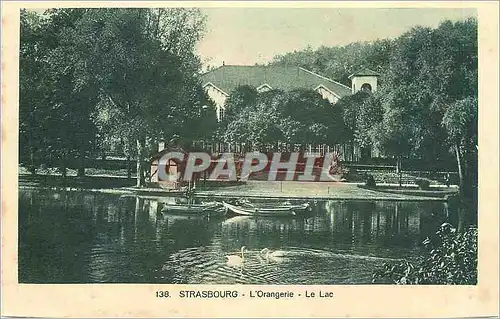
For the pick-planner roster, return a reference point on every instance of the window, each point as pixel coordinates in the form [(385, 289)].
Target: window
[(220, 113), (366, 87)]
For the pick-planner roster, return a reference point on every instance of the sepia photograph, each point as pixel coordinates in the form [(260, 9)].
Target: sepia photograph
[(227, 146)]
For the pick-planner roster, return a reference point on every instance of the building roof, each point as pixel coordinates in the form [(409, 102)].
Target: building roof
[(229, 77), (364, 72)]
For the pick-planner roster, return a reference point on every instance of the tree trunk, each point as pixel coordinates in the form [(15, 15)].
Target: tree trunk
[(399, 170), (129, 168), (140, 166), (460, 172), (32, 162), (81, 166), (63, 166)]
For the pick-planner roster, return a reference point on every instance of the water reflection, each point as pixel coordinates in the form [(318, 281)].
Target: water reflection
[(69, 237)]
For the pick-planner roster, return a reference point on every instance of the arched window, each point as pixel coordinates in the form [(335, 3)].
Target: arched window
[(366, 87)]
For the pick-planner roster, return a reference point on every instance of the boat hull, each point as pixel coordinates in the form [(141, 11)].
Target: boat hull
[(257, 211), (188, 209)]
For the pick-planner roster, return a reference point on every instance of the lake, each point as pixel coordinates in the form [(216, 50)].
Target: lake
[(83, 237)]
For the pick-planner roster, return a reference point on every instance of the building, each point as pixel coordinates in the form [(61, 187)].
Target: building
[(220, 82), (364, 80)]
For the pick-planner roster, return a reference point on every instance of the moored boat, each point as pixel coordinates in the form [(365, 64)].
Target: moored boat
[(190, 208), (260, 211), (297, 208)]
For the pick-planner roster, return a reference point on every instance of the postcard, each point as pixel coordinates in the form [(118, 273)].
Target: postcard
[(250, 159)]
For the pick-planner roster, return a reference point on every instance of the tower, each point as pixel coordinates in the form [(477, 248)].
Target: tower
[(364, 80)]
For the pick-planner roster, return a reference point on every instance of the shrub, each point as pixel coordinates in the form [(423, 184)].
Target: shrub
[(451, 259), (370, 181), (422, 183)]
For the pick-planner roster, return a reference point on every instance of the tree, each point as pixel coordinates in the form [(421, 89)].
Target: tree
[(137, 66), (31, 64), (362, 112), (296, 117), (144, 63), (430, 69), (256, 124), (311, 119), (240, 98), (340, 62), (56, 98), (460, 121)]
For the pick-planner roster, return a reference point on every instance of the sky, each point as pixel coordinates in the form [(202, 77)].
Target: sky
[(245, 36)]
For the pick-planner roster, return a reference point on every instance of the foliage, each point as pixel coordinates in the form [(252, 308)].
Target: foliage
[(241, 97), (295, 117), (56, 99), (31, 89), (108, 75), (451, 259), (460, 121), (341, 61), (361, 112), (423, 72), (429, 70)]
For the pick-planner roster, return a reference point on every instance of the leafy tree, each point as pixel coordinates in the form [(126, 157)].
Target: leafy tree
[(460, 121), (143, 62), (242, 97), (114, 74), (256, 124), (56, 99), (423, 72), (362, 112), (31, 72), (312, 119), (341, 61), (430, 69), (295, 117)]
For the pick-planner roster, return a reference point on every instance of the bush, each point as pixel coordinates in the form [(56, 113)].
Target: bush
[(422, 183), (451, 259), (370, 181)]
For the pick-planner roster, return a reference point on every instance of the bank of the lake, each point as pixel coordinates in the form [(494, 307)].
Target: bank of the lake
[(250, 189)]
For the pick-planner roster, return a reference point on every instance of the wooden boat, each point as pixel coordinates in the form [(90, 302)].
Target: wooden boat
[(296, 208), (260, 211), (189, 208)]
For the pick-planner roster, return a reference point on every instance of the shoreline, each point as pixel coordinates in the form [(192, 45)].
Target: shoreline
[(306, 192)]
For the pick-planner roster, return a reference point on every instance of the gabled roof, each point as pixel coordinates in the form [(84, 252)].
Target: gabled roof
[(229, 77), (364, 72)]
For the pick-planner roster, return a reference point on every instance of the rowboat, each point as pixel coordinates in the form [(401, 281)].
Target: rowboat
[(260, 211), (189, 208), (296, 208)]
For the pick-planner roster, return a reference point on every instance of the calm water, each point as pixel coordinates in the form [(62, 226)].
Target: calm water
[(79, 237)]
